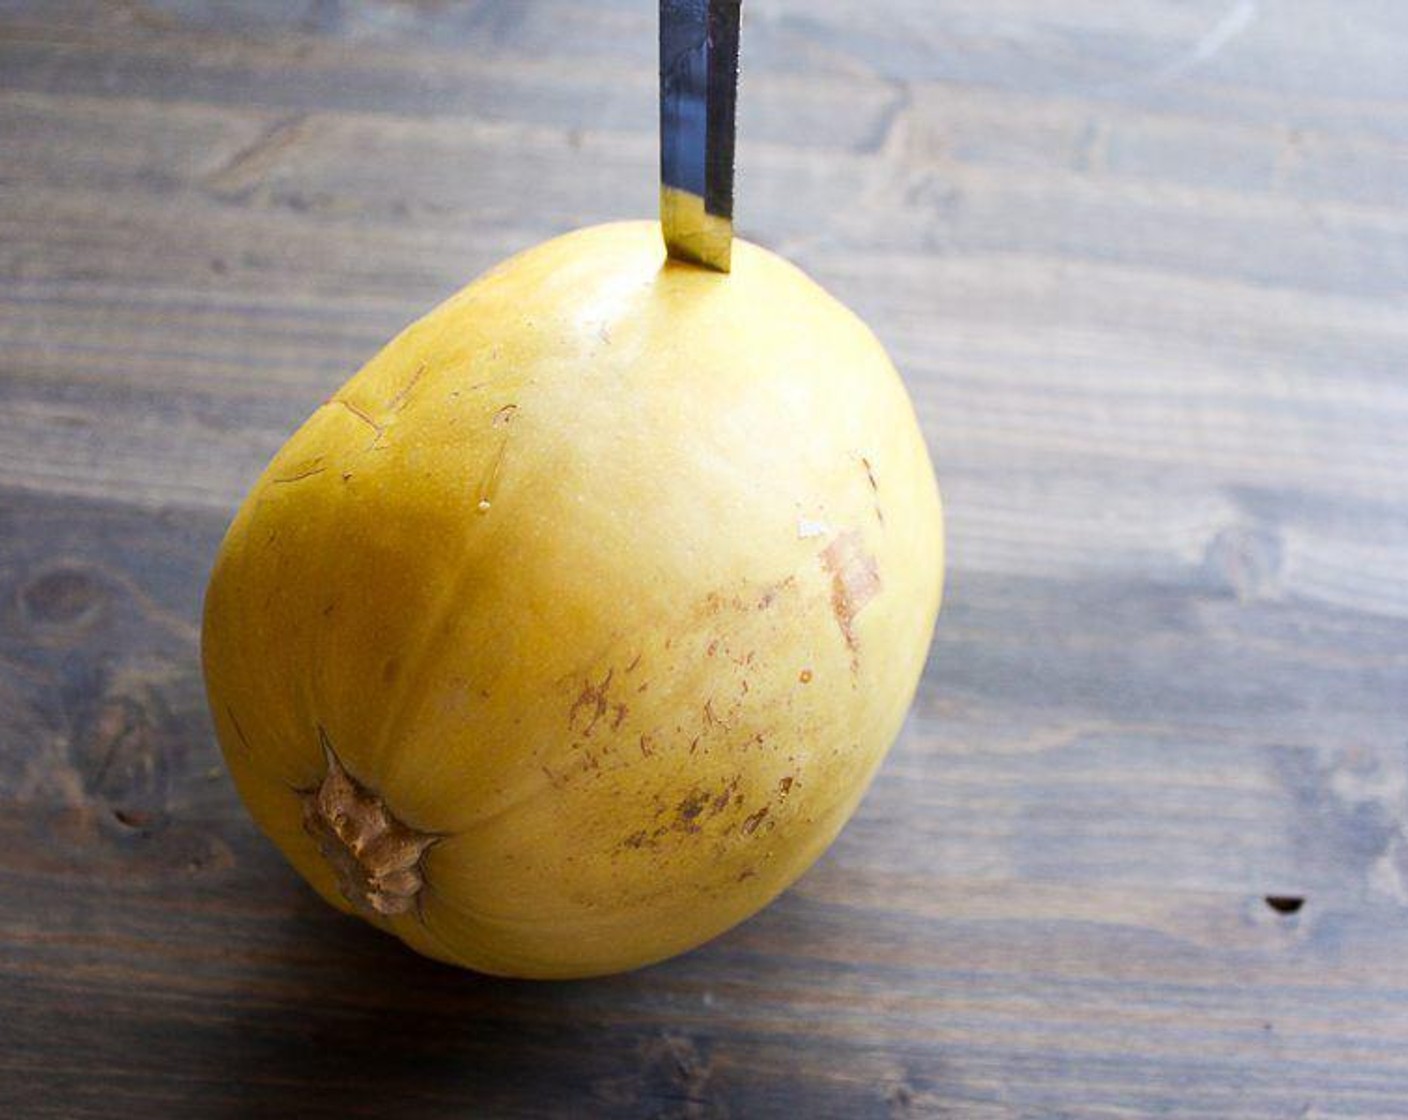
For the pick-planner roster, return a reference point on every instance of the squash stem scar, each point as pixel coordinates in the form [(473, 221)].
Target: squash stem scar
[(379, 862)]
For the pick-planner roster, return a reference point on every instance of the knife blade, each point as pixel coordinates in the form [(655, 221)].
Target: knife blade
[(698, 95)]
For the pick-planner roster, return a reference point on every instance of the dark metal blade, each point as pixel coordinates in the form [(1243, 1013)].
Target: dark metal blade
[(698, 93)]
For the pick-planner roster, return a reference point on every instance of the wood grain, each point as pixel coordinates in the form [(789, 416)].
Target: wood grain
[(1145, 269)]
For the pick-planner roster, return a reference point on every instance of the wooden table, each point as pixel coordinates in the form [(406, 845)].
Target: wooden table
[(1145, 268)]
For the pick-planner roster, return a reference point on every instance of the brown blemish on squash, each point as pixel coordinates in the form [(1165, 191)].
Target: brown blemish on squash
[(855, 581), (753, 820), (505, 415), (489, 485), (378, 430), (304, 470), (593, 701), (784, 787), (712, 718), (688, 810), (396, 403), (239, 731), (688, 817), (720, 802), (875, 489), (805, 676)]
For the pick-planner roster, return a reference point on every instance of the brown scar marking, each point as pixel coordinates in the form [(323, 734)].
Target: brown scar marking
[(709, 716), (855, 581), (378, 430), (593, 697), (634, 662), (689, 809), (875, 487), (870, 474), (489, 486), (505, 415), (619, 713), (396, 402), (239, 731), (720, 802), (751, 823), (358, 411), (645, 741), (300, 476)]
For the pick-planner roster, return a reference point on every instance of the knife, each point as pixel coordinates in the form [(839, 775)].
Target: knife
[(698, 93)]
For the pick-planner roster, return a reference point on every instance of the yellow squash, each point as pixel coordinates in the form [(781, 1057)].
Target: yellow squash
[(571, 630)]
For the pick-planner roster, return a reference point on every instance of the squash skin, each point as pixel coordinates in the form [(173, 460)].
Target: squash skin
[(616, 576)]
